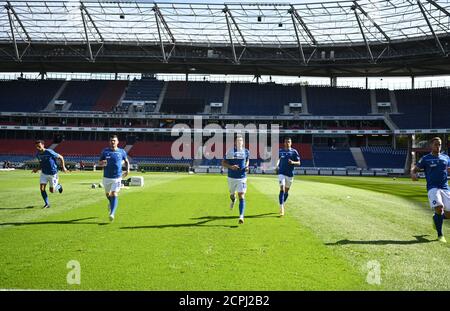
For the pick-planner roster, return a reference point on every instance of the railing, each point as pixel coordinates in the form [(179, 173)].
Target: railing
[(373, 83)]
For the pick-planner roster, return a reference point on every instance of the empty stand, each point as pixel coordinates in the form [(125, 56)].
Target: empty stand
[(83, 94), (144, 90), (261, 99), (191, 97), (27, 96), (384, 157), (338, 101), (414, 107), (110, 96), (328, 157), (20, 146), (82, 148)]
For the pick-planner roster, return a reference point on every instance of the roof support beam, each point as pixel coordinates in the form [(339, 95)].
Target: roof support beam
[(235, 24), (432, 2), (436, 38), (233, 50), (16, 49), (362, 33), (161, 43), (10, 8), (83, 8), (91, 56), (299, 44), (163, 22), (11, 13), (302, 23), (372, 21)]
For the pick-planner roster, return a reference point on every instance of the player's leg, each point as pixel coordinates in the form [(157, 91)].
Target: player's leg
[(242, 189), (42, 185), (114, 197), (445, 194), (287, 186), (438, 219), (44, 195), (54, 184), (282, 182), (58, 187), (435, 199), (107, 184), (232, 188)]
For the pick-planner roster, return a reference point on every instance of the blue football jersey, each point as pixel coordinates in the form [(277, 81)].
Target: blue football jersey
[(114, 158), (435, 168), (47, 160), (239, 158), (285, 155)]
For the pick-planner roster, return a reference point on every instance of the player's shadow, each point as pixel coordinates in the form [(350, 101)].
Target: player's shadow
[(15, 208), (79, 221), (418, 239), (266, 215), (202, 223)]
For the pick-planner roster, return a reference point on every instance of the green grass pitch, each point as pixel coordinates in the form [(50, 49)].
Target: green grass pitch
[(177, 233)]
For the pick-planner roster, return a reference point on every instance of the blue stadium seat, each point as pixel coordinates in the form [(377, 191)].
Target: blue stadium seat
[(328, 157), (338, 101), (27, 96), (384, 157)]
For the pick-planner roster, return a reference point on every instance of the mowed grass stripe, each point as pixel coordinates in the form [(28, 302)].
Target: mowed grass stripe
[(364, 219), (178, 235)]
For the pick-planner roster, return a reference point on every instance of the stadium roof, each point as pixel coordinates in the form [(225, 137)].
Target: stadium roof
[(368, 30)]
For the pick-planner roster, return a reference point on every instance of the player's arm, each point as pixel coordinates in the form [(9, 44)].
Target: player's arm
[(294, 162), (414, 172), (448, 166), (37, 169), (127, 168), (228, 166), (63, 163), (102, 161)]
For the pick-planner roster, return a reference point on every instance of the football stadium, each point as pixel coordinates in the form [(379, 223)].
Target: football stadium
[(214, 146)]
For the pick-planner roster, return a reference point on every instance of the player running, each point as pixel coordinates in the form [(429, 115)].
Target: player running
[(288, 158), (436, 167), (112, 159), (49, 170), (237, 161)]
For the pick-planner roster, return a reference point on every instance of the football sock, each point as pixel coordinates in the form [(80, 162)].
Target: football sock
[(438, 219), (114, 202), (58, 186), (286, 194), (281, 197), (44, 196), (232, 198), (241, 207)]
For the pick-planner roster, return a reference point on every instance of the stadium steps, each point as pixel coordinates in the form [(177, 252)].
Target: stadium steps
[(51, 104), (394, 107), (226, 98), (392, 126), (304, 100), (358, 157), (161, 97), (373, 102)]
